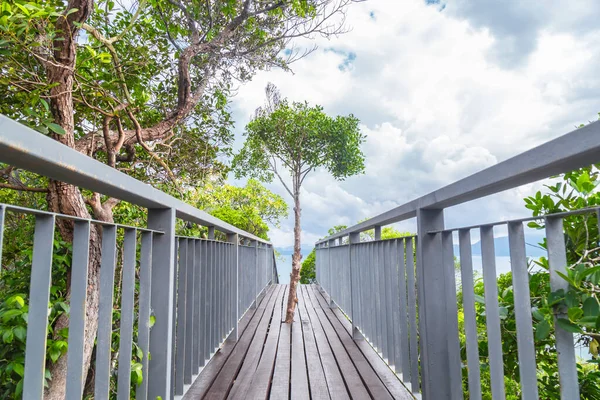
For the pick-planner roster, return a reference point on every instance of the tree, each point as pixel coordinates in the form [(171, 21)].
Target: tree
[(144, 90), (298, 138), (251, 208)]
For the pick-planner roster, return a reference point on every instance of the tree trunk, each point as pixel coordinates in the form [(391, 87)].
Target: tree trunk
[(296, 259), (67, 199)]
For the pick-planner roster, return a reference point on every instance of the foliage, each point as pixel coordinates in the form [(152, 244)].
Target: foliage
[(575, 190), (251, 208), (308, 272), (299, 138)]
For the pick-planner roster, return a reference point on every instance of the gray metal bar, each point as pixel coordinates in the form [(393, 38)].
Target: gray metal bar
[(389, 308), (432, 306), (196, 362), (576, 149), (557, 258), (174, 314), (520, 279), (105, 310), (144, 310), (492, 314), (161, 298), (77, 306), (189, 312), (126, 325), (181, 320), (454, 361), (25, 148), (380, 296), (354, 284), (466, 270), (233, 238), (39, 295), (403, 361), (412, 316), (396, 361), (205, 290)]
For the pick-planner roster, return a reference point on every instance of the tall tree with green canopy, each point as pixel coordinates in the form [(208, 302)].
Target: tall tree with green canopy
[(142, 87), (298, 138)]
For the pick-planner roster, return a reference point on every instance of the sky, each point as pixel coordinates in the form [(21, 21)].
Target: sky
[(443, 89)]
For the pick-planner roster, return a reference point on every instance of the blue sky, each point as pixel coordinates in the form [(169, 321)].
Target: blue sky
[(443, 90)]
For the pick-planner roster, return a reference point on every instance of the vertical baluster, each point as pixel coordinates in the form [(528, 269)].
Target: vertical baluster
[(161, 299), (565, 348), (39, 295), (520, 279), (204, 290), (174, 296), (79, 277), (404, 323), (105, 310), (389, 309), (412, 314), (454, 361), (355, 266), (492, 314), (372, 304), (197, 309), (144, 309), (381, 295), (126, 325), (396, 361), (189, 312), (181, 320), (466, 270)]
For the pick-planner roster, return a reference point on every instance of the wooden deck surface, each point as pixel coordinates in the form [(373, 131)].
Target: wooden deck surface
[(315, 357)]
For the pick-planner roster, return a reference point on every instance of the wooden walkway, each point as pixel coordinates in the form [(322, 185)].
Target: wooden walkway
[(315, 357)]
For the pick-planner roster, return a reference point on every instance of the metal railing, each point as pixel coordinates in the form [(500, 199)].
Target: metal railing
[(194, 290), (401, 294)]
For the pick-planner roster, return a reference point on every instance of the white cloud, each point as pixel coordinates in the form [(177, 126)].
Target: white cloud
[(439, 98)]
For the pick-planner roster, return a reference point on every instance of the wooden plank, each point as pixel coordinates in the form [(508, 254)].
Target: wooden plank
[(280, 387), (335, 382), (224, 380), (299, 376), (261, 381), (252, 356), (316, 376), (349, 372), (372, 382), (208, 374), (383, 371)]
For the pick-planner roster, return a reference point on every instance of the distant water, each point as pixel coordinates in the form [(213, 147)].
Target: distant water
[(284, 268)]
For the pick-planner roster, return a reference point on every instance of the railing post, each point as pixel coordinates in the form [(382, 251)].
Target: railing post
[(378, 233), (354, 283), (330, 283), (255, 274), (431, 290), (161, 300), (234, 238)]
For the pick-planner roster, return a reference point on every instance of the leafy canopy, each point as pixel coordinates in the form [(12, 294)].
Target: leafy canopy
[(301, 138)]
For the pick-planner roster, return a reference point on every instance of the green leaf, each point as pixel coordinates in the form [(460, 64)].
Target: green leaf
[(575, 314), (8, 336), (20, 332), (591, 307), (19, 369), (152, 320), (542, 330), (55, 128), (568, 326), (479, 299), (537, 314)]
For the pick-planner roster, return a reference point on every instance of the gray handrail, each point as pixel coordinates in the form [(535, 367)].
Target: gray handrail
[(27, 149), (576, 149)]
